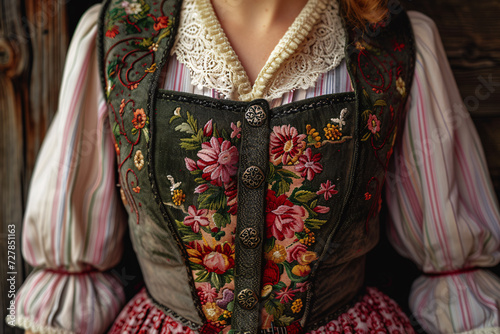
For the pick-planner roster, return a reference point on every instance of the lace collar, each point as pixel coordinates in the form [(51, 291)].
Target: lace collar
[(312, 45)]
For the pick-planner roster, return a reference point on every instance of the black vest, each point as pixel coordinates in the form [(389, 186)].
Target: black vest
[(241, 215)]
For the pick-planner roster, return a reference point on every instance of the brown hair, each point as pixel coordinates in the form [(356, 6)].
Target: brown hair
[(362, 12)]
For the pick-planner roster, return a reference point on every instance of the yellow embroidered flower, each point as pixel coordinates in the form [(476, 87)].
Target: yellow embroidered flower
[(401, 86), (178, 197), (139, 160), (212, 311), (226, 315), (313, 136), (277, 254), (297, 306), (309, 239), (332, 132)]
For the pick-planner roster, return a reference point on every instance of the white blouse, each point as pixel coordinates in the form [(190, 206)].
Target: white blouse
[(444, 214)]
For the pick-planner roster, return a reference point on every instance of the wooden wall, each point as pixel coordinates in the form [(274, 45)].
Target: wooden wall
[(33, 42)]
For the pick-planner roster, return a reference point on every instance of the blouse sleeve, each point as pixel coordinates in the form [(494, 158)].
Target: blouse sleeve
[(444, 212), (74, 222)]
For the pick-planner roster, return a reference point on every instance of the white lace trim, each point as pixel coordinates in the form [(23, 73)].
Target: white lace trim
[(28, 324), (312, 45)]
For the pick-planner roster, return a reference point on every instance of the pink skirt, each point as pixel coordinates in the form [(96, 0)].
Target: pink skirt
[(375, 313)]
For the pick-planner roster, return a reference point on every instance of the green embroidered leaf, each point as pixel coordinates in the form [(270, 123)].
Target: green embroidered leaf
[(286, 173), (274, 307), (197, 172), (221, 220), (269, 244), (225, 135), (230, 306), (190, 144), (134, 131), (271, 174), (216, 281), (314, 224), (213, 199), (304, 196), (146, 42), (380, 103), (285, 320), (196, 266), (192, 122), (199, 179), (186, 232), (282, 186), (145, 132), (366, 136), (279, 286), (202, 276), (116, 132), (173, 118), (185, 127), (314, 203)]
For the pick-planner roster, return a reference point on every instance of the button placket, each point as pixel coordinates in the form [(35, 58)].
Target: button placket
[(254, 158)]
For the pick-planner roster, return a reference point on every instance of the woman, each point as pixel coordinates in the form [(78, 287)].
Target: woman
[(253, 179)]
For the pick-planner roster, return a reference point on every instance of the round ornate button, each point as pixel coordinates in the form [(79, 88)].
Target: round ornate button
[(247, 299), (253, 177), (249, 238), (255, 115)]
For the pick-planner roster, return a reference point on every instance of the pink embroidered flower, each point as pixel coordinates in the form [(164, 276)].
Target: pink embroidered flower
[(208, 129), (373, 124), (286, 295), (286, 144), (196, 218), (321, 209), (308, 165), (190, 164), (236, 129), (207, 293), (217, 260), (201, 189), (283, 218), (327, 189), (293, 253), (218, 160)]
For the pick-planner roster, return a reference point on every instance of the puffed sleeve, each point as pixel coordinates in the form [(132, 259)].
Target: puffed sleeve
[(443, 209), (74, 222)]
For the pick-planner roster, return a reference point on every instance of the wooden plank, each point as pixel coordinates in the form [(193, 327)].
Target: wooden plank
[(29, 87)]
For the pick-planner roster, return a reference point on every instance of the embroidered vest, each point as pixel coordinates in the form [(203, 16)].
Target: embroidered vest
[(246, 218)]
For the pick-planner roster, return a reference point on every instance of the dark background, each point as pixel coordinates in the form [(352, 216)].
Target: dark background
[(34, 35)]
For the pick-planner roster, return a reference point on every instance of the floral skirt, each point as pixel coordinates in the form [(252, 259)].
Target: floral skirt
[(375, 313)]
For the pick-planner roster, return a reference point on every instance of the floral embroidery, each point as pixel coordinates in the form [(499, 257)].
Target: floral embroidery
[(332, 132), (139, 160), (373, 124), (327, 189), (401, 86), (286, 144)]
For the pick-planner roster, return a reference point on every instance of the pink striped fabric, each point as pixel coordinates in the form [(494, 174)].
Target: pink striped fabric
[(444, 213)]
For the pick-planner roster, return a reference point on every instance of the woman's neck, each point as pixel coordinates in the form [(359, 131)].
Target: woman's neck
[(254, 27)]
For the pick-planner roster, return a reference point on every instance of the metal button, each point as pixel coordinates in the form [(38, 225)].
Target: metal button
[(247, 299), (255, 115), (253, 177), (249, 238)]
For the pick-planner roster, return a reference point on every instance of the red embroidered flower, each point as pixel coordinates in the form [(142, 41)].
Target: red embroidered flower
[(231, 191), (196, 218), (373, 124), (208, 129), (283, 218), (217, 260), (206, 293), (285, 295), (271, 274), (139, 119), (236, 130), (218, 160), (328, 189), (160, 22), (308, 165), (112, 32), (286, 144)]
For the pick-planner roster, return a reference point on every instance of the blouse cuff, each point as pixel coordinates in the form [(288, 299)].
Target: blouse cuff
[(461, 302), (54, 302)]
